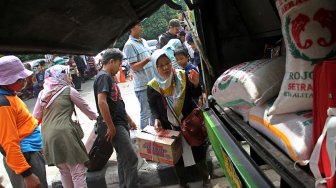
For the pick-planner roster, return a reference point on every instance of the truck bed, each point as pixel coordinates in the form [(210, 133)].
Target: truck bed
[(226, 131)]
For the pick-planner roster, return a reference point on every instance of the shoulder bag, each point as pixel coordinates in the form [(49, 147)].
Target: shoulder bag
[(77, 126), (192, 127)]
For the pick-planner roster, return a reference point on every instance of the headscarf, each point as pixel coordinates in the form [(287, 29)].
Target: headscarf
[(55, 81), (173, 87), (169, 48)]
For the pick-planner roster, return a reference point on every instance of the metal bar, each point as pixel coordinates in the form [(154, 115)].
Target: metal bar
[(281, 163), (249, 171)]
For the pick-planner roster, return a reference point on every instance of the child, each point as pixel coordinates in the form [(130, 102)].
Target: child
[(38, 86), (111, 107), (182, 59)]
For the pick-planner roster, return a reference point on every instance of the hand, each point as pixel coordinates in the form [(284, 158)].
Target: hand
[(200, 101), (157, 125), (132, 125), (32, 181), (194, 77), (1, 180), (110, 133)]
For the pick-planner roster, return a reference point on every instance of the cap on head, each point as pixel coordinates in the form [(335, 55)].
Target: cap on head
[(11, 70), (174, 23)]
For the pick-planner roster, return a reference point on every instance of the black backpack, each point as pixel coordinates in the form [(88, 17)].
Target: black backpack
[(101, 150)]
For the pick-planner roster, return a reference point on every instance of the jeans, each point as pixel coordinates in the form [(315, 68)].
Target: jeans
[(36, 161), (146, 117), (76, 81), (126, 157)]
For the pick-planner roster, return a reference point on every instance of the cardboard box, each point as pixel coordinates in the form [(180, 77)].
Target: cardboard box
[(164, 146)]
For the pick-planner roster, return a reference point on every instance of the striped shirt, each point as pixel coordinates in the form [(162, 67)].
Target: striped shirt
[(135, 51)]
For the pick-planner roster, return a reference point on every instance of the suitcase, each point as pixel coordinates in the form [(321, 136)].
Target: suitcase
[(99, 149), (322, 161)]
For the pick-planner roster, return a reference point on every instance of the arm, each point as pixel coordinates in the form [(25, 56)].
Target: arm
[(105, 112), (152, 101), (132, 57), (131, 123), (10, 143), (136, 66), (37, 113), (103, 87), (193, 83), (153, 107), (81, 104)]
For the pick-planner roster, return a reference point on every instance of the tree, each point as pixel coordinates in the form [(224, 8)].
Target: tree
[(27, 57), (154, 25)]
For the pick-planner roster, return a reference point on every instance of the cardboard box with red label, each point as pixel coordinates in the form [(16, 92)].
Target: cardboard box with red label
[(164, 146)]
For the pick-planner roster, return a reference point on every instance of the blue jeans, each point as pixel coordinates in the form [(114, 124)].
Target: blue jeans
[(126, 157), (146, 117)]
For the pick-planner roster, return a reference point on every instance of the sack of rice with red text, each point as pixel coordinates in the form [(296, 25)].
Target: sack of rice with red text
[(309, 31), (291, 132), (249, 83)]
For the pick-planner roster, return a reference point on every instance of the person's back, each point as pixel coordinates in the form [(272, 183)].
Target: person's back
[(80, 63), (62, 142)]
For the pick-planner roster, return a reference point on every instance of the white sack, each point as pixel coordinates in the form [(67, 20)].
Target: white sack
[(250, 83), (291, 132), (309, 31)]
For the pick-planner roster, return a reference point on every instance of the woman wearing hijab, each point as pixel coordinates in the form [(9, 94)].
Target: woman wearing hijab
[(169, 50), (176, 88), (62, 144)]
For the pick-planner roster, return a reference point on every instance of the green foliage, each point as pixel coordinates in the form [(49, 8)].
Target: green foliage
[(153, 26), (27, 57)]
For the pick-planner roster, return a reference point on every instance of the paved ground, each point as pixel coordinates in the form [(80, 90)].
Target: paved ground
[(132, 107), (148, 170)]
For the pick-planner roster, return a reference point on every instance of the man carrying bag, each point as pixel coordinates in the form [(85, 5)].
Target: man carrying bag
[(111, 108)]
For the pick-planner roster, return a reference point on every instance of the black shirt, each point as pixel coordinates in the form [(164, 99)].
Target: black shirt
[(159, 110), (165, 38), (80, 63), (105, 83)]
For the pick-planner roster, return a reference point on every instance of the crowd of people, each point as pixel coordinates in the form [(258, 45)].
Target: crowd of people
[(167, 77), (81, 67)]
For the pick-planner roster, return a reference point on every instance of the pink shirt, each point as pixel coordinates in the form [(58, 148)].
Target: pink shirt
[(75, 98)]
